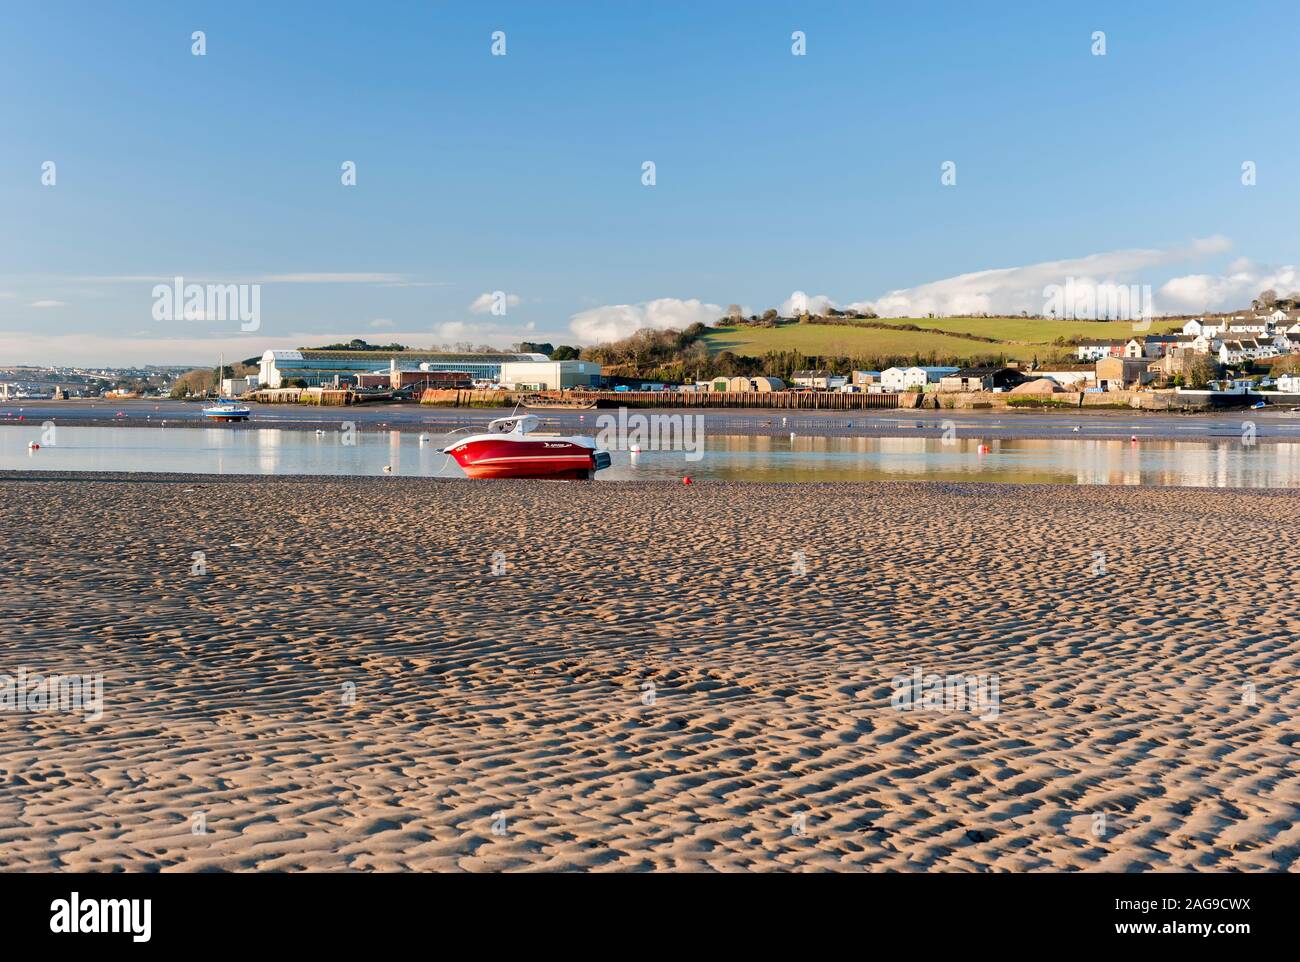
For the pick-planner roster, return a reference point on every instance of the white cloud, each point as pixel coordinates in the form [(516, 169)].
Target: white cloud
[(799, 303), (484, 302), (48, 304), (614, 321), (1010, 290), (455, 331), (382, 324), (1243, 281)]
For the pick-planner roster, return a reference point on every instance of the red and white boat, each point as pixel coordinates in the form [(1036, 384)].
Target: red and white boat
[(512, 448)]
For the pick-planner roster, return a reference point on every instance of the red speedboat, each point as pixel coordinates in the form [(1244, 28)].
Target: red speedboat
[(512, 449)]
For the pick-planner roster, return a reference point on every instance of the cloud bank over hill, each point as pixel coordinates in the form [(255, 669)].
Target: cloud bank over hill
[(998, 291), (615, 321), (1011, 290)]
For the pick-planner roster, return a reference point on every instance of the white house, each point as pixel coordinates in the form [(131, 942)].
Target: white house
[(1247, 325), (1210, 328), (1206, 344), (1234, 352), (818, 380), (1287, 343), (904, 378), (1289, 383), (1095, 350)]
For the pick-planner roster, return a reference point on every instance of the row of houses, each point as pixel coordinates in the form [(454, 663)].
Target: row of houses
[(891, 380), (1231, 340)]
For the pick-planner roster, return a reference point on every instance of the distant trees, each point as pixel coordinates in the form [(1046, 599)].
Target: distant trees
[(356, 344), (535, 347), (565, 352), (198, 381)]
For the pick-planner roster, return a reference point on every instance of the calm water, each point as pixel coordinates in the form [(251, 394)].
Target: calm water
[(226, 450)]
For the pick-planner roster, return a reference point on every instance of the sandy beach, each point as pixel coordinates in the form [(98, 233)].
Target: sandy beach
[(390, 673)]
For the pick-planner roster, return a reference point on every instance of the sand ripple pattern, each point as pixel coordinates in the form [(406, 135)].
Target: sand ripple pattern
[(651, 684)]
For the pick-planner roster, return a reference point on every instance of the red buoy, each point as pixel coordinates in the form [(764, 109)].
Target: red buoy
[(686, 480)]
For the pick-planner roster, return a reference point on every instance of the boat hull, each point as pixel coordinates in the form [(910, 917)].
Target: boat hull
[(555, 458)]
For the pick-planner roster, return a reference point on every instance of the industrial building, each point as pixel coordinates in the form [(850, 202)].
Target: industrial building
[(237, 386), (544, 375), (746, 384), (981, 379), (324, 368)]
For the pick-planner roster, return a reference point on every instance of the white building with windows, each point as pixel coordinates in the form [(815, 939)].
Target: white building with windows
[(1250, 349), (906, 378), (549, 375)]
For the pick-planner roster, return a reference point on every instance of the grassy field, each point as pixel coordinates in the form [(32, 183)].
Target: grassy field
[(1019, 338), (842, 341)]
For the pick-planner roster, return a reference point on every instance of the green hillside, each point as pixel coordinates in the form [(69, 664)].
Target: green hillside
[(1019, 338)]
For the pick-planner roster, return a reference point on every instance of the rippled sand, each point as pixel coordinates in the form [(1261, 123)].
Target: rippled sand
[(655, 681)]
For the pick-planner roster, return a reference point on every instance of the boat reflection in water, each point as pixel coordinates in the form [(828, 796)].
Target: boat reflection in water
[(255, 450)]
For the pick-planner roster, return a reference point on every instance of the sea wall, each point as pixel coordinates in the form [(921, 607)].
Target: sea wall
[(1127, 400)]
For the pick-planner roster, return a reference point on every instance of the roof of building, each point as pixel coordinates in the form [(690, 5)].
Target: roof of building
[(818, 373), (984, 371)]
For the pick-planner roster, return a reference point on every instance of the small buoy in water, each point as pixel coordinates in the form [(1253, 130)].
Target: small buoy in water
[(687, 480), (791, 435), (424, 438), (985, 449), (388, 469), (636, 449), (320, 433), (33, 446), (1133, 438)]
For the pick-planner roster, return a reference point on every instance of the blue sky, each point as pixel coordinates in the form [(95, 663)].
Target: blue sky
[(775, 173)]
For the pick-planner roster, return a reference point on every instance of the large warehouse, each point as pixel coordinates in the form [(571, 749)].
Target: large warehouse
[(543, 375), (327, 368)]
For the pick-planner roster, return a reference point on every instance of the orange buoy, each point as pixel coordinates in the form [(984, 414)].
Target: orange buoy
[(33, 446)]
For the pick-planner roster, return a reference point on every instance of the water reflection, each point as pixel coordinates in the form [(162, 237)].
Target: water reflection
[(1217, 463)]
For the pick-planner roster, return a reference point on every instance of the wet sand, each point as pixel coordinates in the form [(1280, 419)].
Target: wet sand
[(648, 676)]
